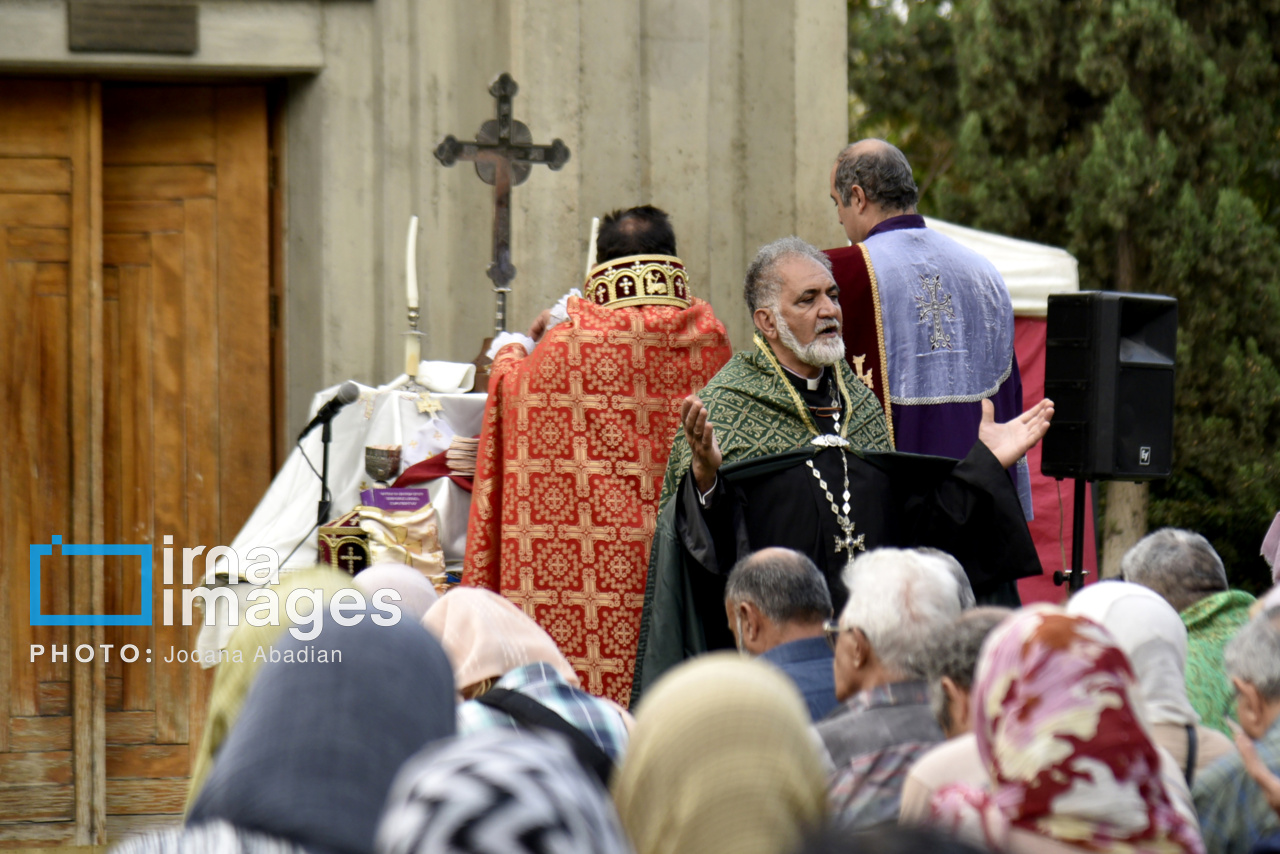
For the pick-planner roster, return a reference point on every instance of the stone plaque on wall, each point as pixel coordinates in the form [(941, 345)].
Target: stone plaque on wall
[(133, 28)]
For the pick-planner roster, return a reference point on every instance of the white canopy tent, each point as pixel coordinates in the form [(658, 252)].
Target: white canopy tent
[(1031, 271)]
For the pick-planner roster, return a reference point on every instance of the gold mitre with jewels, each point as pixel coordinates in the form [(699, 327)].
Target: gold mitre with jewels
[(639, 280)]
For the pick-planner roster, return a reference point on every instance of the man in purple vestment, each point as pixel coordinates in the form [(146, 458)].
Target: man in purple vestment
[(933, 316)]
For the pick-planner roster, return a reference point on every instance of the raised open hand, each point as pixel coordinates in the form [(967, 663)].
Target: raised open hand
[(1011, 440), (702, 441)]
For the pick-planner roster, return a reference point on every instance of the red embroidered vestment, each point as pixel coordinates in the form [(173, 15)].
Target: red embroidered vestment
[(572, 453)]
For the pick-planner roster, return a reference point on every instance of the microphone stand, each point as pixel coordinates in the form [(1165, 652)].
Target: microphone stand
[(326, 499)]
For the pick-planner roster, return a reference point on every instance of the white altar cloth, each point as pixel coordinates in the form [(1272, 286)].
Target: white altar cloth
[(284, 518)]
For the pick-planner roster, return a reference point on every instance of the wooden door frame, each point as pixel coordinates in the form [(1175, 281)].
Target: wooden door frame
[(88, 689), (277, 146)]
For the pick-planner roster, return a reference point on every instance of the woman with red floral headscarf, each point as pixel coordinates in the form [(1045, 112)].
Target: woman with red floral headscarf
[(1071, 762)]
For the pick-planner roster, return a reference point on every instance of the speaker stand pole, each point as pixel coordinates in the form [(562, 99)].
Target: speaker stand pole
[(1076, 579)]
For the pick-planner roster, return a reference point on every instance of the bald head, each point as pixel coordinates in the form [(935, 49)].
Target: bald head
[(783, 584)]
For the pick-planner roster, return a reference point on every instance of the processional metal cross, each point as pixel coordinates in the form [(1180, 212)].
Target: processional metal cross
[(504, 154)]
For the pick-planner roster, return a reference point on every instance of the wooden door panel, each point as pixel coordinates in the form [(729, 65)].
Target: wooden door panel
[(38, 118), (121, 183), (35, 175), (39, 209), (147, 125), (45, 167), (244, 335), (185, 263), (39, 244)]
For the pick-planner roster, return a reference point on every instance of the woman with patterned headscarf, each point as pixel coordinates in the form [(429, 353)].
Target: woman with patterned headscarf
[(721, 759), (1072, 765), (499, 792)]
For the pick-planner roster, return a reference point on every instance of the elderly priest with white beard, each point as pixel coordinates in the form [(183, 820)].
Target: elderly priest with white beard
[(786, 447)]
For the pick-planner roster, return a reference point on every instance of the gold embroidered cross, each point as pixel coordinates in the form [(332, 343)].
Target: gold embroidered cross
[(528, 597), (582, 468), (590, 599), (864, 374), (528, 532), (586, 534), (643, 469), (596, 665), (527, 465), (429, 405)]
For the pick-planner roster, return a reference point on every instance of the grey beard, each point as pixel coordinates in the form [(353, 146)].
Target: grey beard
[(818, 352)]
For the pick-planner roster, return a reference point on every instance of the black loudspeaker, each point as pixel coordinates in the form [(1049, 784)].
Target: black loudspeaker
[(1109, 369)]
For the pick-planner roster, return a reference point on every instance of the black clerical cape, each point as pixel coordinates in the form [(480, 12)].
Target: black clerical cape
[(767, 494)]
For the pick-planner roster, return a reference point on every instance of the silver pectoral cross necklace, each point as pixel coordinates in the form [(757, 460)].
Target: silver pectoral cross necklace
[(845, 540)]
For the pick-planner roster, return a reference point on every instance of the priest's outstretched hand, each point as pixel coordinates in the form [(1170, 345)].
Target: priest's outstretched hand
[(1011, 440), (702, 441)]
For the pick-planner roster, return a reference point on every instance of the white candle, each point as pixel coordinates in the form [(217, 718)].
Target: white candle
[(411, 263), (591, 249)]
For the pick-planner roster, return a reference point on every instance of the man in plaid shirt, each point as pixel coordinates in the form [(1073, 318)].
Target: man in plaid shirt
[(600, 720), (898, 599)]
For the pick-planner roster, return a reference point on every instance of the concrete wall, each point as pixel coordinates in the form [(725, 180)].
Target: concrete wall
[(726, 113)]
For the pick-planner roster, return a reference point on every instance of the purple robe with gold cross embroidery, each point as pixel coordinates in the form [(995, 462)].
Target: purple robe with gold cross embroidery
[(935, 317)]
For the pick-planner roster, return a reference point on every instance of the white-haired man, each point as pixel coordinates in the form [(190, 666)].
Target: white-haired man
[(1234, 810), (898, 600), (808, 465)]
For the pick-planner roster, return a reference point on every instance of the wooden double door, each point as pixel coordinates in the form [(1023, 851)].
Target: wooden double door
[(135, 373)]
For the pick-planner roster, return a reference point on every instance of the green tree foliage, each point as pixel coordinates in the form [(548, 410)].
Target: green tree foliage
[(1144, 136)]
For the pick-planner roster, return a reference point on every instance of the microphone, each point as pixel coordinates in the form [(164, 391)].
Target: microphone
[(348, 392)]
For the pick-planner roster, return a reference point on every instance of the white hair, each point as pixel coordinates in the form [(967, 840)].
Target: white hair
[(953, 566), (899, 598), (1253, 655)]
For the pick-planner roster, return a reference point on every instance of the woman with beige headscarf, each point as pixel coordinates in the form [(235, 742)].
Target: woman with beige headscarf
[(721, 759), (487, 636)]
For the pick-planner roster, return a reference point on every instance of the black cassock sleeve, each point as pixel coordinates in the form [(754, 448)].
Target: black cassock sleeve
[(711, 534), (971, 511), (968, 508)]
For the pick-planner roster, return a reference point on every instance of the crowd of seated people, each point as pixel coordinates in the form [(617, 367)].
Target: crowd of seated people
[(1141, 716)]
